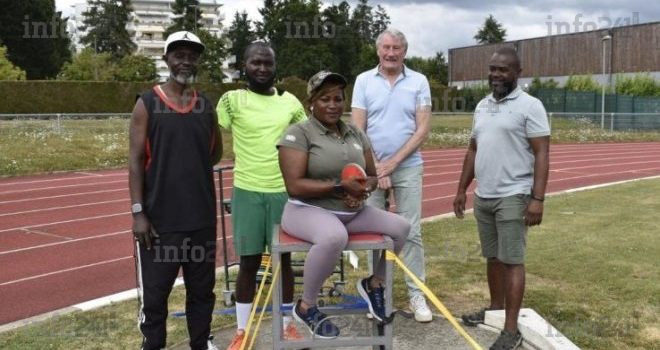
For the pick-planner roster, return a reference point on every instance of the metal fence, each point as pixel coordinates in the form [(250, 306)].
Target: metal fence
[(564, 101), (107, 122)]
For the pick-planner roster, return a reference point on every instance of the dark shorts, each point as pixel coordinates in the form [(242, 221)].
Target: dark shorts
[(502, 229), (254, 216)]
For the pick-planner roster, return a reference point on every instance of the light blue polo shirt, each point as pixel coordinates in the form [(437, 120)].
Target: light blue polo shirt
[(504, 165), (391, 110)]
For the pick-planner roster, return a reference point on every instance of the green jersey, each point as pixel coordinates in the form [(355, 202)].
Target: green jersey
[(257, 122)]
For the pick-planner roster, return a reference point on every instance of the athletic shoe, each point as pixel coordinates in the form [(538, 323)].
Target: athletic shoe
[(210, 345), (317, 322), (474, 318), (507, 341), (420, 309), (291, 333), (374, 297), (236, 341)]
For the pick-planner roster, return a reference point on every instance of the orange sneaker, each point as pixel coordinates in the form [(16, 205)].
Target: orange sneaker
[(236, 342), (291, 333)]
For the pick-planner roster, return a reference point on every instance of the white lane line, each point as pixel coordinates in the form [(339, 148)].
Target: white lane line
[(89, 174), (26, 182), (65, 270), (75, 240), (42, 233), (63, 196), (63, 222), (632, 171), (64, 207), (103, 183)]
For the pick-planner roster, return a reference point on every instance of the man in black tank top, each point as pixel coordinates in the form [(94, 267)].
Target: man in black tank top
[(174, 143)]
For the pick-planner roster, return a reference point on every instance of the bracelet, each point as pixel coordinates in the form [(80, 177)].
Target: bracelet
[(540, 199)]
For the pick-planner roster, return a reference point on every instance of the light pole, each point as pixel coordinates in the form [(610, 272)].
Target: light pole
[(602, 101), (195, 6)]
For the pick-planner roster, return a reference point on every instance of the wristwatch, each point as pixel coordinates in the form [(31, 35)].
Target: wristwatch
[(136, 208), (339, 189), (538, 198)]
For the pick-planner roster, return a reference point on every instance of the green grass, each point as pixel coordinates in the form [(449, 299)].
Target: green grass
[(594, 260), (45, 146)]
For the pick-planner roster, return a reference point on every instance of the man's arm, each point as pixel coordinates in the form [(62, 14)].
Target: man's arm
[(467, 175), (541, 148), (216, 153), (422, 121), (142, 229), (359, 119)]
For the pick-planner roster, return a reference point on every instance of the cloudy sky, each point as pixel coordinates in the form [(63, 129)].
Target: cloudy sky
[(433, 26)]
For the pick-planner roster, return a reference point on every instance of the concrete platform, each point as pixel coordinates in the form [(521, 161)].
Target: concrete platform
[(408, 335)]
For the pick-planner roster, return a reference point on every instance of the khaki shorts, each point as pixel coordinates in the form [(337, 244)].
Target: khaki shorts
[(254, 216), (502, 229)]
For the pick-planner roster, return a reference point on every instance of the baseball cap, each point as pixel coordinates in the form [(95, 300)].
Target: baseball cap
[(323, 77), (184, 37)]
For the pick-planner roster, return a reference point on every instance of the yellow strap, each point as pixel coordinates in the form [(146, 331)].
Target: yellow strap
[(255, 304), (391, 256), (263, 308)]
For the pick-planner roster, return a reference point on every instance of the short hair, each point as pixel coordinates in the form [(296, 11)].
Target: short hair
[(253, 46), (511, 52), (395, 33)]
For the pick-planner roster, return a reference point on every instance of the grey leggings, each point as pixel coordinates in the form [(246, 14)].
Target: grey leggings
[(328, 234)]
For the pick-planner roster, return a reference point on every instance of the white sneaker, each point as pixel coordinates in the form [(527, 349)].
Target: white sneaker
[(421, 310), (210, 345)]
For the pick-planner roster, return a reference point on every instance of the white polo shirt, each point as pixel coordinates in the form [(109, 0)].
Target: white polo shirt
[(504, 165), (391, 110)]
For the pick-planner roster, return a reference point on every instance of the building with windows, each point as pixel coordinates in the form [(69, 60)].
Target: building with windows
[(147, 25)]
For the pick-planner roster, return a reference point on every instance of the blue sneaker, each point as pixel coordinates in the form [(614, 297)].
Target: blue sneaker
[(317, 322), (374, 297)]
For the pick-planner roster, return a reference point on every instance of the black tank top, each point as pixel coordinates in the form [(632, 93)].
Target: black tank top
[(179, 188)]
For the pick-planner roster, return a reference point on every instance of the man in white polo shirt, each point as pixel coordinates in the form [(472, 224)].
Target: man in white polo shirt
[(509, 156), (392, 104)]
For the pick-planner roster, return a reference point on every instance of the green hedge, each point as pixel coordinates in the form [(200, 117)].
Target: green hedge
[(27, 97)]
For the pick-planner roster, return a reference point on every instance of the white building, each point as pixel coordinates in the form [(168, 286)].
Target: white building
[(148, 22)]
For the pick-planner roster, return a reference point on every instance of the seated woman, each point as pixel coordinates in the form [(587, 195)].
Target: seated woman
[(322, 208)]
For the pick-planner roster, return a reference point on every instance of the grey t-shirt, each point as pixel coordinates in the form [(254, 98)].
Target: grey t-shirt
[(504, 164), (327, 155)]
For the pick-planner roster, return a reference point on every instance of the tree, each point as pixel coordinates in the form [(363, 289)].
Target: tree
[(7, 69), (491, 32), (435, 68), (581, 83), (637, 85), (537, 84), (187, 16), (240, 34), (381, 20), (89, 66), (137, 68), (36, 37), (106, 21), (215, 52)]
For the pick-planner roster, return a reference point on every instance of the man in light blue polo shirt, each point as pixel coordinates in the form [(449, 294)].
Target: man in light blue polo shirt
[(392, 104), (509, 156)]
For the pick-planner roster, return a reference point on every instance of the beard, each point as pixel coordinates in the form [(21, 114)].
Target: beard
[(183, 78), (257, 85), (501, 89)]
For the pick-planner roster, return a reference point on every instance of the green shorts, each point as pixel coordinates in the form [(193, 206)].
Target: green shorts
[(254, 216), (502, 229)]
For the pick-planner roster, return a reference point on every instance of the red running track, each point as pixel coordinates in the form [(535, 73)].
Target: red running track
[(66, 238)]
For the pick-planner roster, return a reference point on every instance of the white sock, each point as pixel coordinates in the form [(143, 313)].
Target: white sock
[(286, 320), (243, 315)]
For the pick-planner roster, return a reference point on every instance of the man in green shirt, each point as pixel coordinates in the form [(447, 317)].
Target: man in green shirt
[(257, 117)]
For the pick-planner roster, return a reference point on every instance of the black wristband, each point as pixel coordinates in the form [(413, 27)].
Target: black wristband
[(339, 189), (538, 198)]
